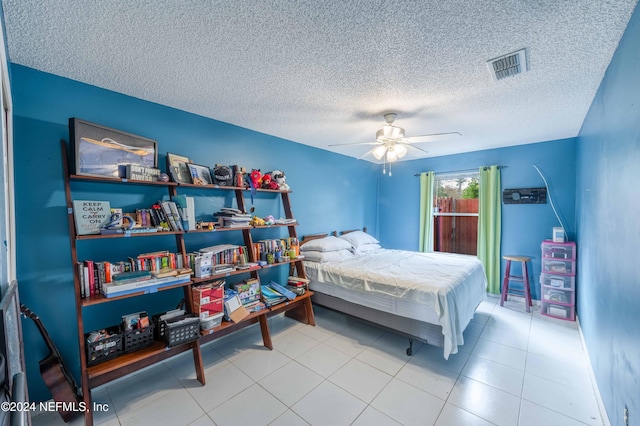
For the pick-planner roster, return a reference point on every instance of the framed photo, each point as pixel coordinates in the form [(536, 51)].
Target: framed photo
[(99, 150), (200, 175), (177, 168)]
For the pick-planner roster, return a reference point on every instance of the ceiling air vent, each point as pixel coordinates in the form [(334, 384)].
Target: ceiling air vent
[(508, 65)]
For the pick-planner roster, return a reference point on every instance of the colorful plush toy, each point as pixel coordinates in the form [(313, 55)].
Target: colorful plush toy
[(255, 177), (279, 178), (257, 221), (269, 220), (265, 182)]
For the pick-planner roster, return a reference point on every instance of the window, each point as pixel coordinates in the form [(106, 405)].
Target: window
[(455, 214)]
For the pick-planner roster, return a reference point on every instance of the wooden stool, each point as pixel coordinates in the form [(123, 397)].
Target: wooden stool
[(526, 292)]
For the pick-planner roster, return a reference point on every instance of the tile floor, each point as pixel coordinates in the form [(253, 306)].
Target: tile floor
[(514, 369)]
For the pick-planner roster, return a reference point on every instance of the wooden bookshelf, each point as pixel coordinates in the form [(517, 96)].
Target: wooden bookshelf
[(95, 375)]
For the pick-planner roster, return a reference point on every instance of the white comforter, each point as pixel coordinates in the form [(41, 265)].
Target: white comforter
[(451, 284)]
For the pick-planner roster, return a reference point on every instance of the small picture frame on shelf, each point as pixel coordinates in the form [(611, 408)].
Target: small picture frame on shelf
[(200, 175), (177, 168), (99, 150)]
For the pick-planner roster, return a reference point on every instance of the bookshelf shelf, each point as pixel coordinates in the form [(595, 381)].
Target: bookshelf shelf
[(97, 299), (119, 181), (126, 235)]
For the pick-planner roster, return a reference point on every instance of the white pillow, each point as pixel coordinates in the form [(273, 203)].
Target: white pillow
[(358, 238), (367, 248), (329, 243), (327, 256)]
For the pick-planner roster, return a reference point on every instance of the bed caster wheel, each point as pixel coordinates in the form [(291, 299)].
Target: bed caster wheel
[(410, 348)]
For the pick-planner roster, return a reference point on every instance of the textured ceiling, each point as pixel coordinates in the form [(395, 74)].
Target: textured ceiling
[(324, 72)]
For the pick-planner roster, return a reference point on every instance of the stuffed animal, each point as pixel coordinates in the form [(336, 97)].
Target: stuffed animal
[(255, 177), (257, 221), (279, 177), (269, 220), (265, 182)]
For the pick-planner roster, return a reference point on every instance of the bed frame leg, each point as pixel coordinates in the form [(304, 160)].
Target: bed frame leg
[(410, 348)]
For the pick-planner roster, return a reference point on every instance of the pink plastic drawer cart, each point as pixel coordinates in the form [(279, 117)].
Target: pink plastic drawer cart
[(558, 280)]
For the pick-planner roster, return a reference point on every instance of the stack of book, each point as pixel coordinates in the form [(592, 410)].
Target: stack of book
[(273, 293), (232, 218)]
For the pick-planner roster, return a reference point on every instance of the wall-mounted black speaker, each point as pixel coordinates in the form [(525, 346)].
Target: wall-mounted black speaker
[(524, 196)]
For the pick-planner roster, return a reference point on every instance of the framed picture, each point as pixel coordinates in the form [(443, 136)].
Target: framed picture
[(177, 168), (200, 175), (99, 150)]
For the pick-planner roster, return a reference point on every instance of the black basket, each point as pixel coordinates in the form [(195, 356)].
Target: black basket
[(138, 339), (105, 349), (176, 333)]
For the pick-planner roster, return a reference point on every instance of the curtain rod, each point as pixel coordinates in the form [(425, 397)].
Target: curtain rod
[(461, 171)]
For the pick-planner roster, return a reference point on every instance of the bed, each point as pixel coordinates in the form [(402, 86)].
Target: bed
[(430, 297)]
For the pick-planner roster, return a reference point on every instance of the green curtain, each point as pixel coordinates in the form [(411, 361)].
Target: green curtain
[(426, 211), (489, 222)]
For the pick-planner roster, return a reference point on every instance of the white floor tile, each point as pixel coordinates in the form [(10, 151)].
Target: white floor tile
[(291, 382), (253, 406), (293, 343), (388, 354), (491, 404), (372, 417), (323, 359), (507, 355), (535, 415), (360, 379), (494, 374), (222, 384), (579, 405), (432, 357), (454, 416), (203, 421), (349, 345), (128, 395), (288, 418), (329, 405), (434, 380), (408, 405), (175, 408), (574, 375), (259, 364)]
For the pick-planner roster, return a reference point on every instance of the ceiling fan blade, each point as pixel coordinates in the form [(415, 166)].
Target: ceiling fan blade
[(433, 137), (358, 143), (415, 147), (365, 154)]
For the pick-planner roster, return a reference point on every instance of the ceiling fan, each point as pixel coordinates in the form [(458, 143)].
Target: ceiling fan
[(391, 143)]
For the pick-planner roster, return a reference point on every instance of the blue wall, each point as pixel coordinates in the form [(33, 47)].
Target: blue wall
[(608, 203), (326, 196), (523, 226)]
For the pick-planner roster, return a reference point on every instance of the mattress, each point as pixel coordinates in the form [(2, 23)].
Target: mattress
[(439, 288)]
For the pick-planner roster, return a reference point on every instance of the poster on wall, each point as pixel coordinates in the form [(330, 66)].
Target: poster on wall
[(90, 216), (99, 150)]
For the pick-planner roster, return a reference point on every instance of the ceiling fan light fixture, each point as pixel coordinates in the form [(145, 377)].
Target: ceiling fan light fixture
[(400, 149), (391, 155), (379, 152)]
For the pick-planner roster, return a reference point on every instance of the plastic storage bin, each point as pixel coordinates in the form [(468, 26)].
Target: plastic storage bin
[(138, 339), (559, 250), (557, 281), (104, 349), (558, 266)]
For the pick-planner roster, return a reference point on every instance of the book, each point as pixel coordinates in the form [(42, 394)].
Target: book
[(90, 216), (176, 215), (280, 289), (186, 208)]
